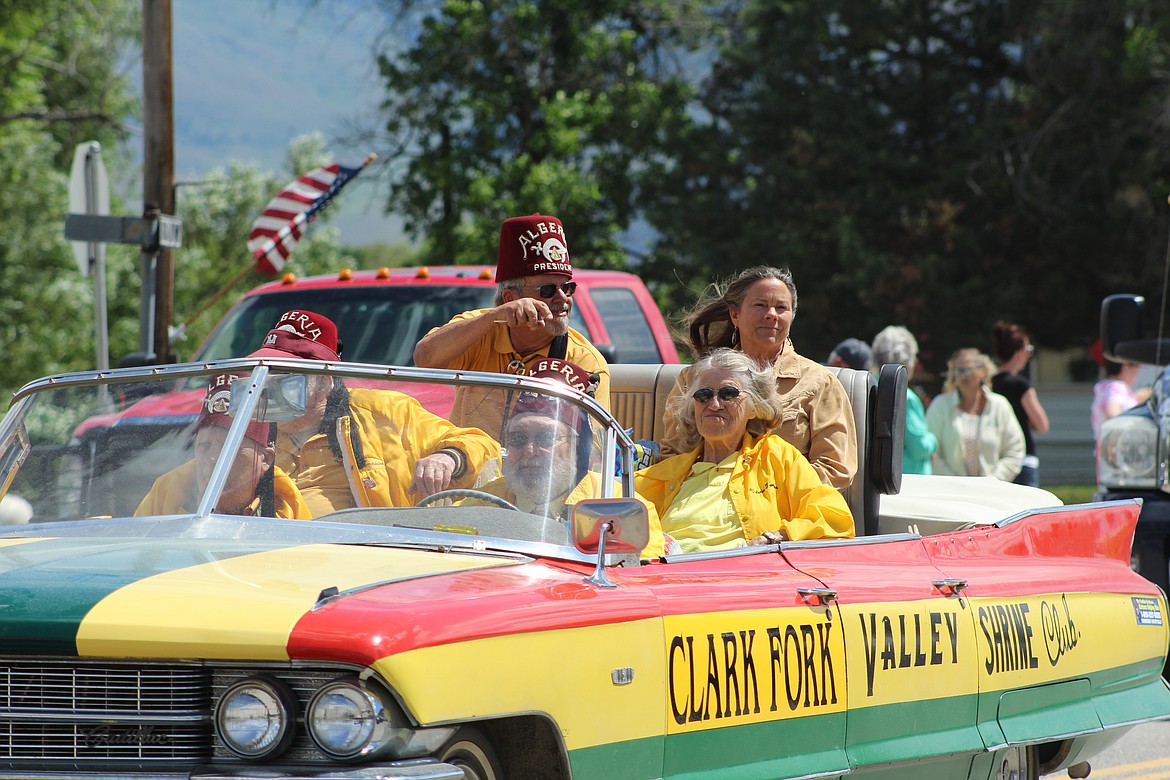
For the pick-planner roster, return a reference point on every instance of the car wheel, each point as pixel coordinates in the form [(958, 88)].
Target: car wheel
[(470, 751), (1018, 763)]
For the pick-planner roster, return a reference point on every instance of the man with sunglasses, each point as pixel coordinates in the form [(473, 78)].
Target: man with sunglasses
[(529, 323)]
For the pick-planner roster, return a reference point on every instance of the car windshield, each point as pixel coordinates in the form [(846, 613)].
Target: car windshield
[(290, 439), (385, 322)]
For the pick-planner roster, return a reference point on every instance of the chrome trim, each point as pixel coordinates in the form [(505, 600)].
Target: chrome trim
[(396, 770)]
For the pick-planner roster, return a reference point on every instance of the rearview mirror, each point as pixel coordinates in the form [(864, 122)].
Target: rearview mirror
[(1123, 333)]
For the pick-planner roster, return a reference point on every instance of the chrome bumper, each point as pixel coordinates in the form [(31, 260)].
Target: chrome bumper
[(418, 769)]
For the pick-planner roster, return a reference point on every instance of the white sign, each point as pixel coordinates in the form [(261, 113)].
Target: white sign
[(89, 193)]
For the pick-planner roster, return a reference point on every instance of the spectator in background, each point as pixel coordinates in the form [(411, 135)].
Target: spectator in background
[(851, 353), (753, 313), (1114, 394), (895, 344), (1014, 349), (977, 431)]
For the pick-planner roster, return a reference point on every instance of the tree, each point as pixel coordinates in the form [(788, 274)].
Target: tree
[(510, 107), (59, 85)]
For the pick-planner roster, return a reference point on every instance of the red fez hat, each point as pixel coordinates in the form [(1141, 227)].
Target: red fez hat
[(530, 246), (302, 334), (215, 408), (563, 371)]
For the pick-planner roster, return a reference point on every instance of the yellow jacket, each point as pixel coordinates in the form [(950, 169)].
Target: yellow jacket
[(395, 432), (816, 417), (588, 487), (772, 487), (174, 494)]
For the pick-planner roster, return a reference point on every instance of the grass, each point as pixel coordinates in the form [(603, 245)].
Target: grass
[(1072, 494)]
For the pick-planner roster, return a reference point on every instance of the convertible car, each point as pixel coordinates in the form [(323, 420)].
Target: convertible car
[(476, 633)]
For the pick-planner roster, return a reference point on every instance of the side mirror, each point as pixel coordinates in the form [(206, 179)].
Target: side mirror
[(609, 525), (1123, 332)]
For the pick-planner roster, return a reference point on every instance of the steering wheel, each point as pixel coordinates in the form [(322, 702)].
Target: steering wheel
[(467, 493)]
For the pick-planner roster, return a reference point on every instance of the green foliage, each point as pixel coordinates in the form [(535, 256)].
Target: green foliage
[(59, 86), (505, 108)]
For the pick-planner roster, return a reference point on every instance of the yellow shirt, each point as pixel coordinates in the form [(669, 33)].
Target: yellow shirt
[(483, 407), (323, 484), (701, 517), (174, 493)]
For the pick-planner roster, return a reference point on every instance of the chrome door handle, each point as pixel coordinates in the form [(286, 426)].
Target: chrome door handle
[(951, 585), (818, 596)]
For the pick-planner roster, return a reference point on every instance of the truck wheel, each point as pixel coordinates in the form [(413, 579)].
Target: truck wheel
[(470, 750), (1017, 763)]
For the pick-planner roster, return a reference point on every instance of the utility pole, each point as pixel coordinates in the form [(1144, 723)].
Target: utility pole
[(158, 177)]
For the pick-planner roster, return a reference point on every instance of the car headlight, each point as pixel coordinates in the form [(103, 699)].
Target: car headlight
[(1127, 452), (255, 718), (346, 720)]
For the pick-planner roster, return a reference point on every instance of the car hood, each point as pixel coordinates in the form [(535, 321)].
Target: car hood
[(189, 597)]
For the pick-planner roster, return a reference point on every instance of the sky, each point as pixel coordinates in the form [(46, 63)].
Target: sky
[(251, 75)]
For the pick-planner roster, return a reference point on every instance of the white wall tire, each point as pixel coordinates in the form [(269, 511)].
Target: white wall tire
[(470, 750)]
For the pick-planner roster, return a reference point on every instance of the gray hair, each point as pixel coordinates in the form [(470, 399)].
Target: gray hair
[(759, 384), (894, 344), (985, 363), (516, 285)]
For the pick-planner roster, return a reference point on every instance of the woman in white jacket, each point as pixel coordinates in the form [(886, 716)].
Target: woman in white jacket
[(978, 434)]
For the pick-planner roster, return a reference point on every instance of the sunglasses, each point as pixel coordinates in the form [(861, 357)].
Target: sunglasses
[(542, 439), (961, 370), (547, 291), (726, 393)]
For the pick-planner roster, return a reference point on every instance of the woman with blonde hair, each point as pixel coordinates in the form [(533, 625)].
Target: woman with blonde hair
[(753, 314), (977, 431), (736, 483)]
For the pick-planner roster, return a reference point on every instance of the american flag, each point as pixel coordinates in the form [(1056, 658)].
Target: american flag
[(283, 222)]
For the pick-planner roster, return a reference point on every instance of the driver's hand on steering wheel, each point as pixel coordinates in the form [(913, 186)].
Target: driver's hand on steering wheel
[(432, 474)]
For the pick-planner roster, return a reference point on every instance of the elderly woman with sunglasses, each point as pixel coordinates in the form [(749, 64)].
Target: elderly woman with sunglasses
[(977, 431), (753, 313), (737, 484)]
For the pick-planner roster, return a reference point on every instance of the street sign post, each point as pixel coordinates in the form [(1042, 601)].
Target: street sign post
[(89, 193)]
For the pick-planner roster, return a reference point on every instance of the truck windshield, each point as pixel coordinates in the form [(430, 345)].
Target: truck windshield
[(376, 324)]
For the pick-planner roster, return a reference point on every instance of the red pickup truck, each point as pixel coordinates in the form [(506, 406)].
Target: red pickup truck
[(382, 314)]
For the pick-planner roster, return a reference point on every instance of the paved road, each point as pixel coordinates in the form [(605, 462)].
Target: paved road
[(1142, 754), (1066, 451)]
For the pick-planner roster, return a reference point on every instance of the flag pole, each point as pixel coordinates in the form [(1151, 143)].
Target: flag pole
[(180, 331)]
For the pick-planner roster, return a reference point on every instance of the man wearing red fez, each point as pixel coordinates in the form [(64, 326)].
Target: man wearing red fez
[(364, 446), (255, 485), (530, 321)]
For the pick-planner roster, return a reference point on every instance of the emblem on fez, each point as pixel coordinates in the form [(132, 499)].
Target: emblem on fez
[(554, 251), (218, 403)]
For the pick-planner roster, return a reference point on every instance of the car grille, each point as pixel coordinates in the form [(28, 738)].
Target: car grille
[(105, 713)]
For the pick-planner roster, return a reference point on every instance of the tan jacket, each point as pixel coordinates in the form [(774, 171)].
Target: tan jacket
[(817, 417)]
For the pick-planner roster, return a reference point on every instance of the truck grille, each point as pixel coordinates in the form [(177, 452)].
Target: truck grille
[(104, 712)]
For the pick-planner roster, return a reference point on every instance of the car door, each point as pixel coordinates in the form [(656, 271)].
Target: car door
[(910, 654), (755, 682)]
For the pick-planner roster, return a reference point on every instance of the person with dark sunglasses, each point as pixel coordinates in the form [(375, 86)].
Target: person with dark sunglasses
[(737, 483), (528, 324)]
